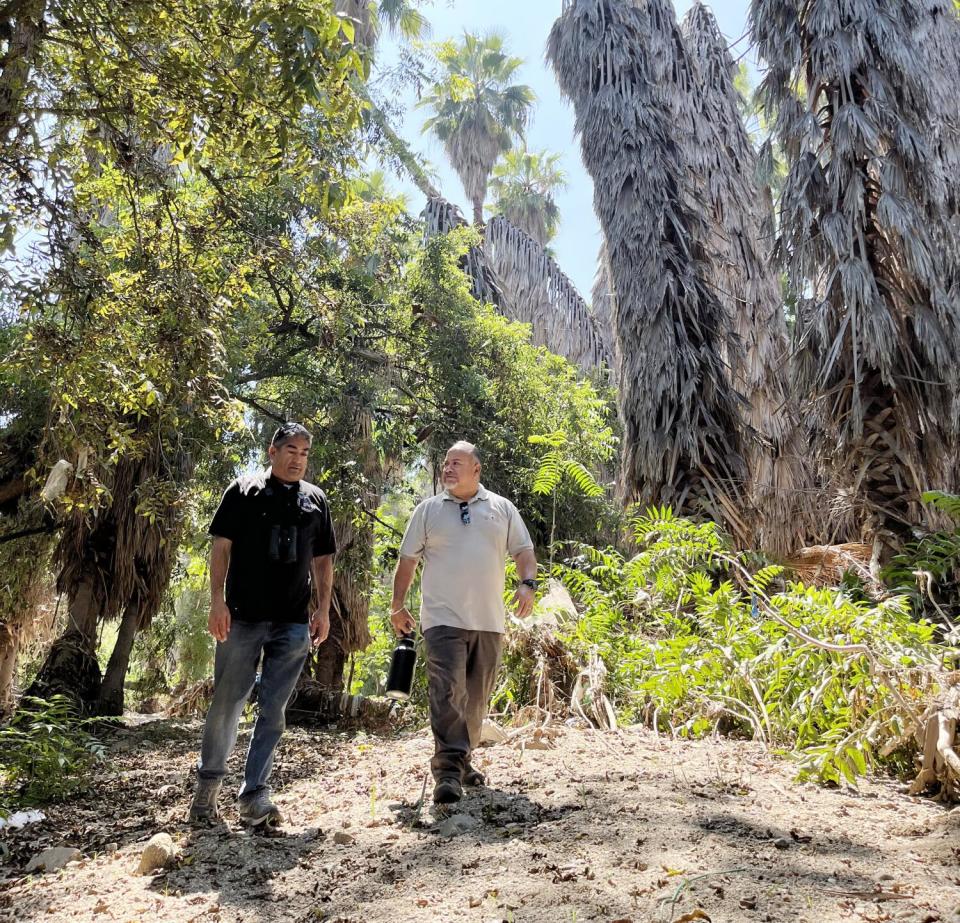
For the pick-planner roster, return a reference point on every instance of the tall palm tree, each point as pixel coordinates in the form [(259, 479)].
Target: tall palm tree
[(739, 228), (865, 235), (113, 566), (477, 111), (524, 185), (369, 16), (623, 67)]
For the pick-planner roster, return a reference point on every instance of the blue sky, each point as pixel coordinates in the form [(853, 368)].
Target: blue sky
[(525, 25)]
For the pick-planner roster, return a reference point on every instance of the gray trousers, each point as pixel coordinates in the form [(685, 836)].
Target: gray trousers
[(461, 668)]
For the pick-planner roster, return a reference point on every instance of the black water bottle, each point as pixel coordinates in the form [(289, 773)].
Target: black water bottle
[(402, 664)]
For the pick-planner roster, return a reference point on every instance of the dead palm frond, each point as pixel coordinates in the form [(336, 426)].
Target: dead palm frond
[(515, 274), (601, 307), (624, 68), (722, 166), (441, 217), (536, 291), (867, 241)]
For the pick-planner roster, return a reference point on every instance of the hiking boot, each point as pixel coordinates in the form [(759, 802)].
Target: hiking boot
[(259, 809), (473, 777), (203, 808), (447, 791)]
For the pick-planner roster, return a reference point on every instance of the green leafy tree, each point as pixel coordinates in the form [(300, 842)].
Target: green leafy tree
[(477, 110), (482, 380), (166, 144)]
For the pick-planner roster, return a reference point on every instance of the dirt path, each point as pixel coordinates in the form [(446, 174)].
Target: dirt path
[(604, 826)]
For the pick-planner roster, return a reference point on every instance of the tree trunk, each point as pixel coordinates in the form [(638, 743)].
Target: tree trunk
[(9, 648), (111, 690), (71, 667), (329, 660), (28, 27), (478, 213)]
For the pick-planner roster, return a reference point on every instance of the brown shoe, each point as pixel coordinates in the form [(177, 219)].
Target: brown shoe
[(203, 809), (447, 791), (473, 778)]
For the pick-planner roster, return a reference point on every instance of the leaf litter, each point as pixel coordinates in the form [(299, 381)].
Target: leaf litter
[(605, 825)]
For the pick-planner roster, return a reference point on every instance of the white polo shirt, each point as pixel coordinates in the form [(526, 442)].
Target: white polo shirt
[(463, 563)]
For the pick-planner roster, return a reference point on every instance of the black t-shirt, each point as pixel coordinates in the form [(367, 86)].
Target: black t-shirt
[(276, 531)]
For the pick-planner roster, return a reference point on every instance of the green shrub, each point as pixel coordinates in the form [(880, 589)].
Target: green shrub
[(928, 569), (694, 643), (46, 753)]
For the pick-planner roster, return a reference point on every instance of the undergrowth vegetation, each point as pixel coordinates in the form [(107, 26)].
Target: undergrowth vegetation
[(683, 634), (693, 642), (46, 753)]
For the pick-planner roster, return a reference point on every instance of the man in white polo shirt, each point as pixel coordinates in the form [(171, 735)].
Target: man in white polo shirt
[(463, 535)]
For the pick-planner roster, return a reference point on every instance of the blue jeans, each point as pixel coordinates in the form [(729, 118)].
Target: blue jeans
[(284, 648)]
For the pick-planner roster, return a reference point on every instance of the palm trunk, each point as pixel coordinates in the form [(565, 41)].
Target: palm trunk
[(111, 690), (9, 648), (478, 213), (71, 667), (400, 149)]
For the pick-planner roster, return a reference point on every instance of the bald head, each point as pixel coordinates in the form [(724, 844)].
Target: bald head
[(462, 445), (461, 470)]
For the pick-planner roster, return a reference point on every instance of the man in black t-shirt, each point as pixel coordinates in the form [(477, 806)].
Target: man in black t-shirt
[(273, 547)]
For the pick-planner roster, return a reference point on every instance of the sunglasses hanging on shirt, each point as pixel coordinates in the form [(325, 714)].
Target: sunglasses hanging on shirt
[(465, 513)]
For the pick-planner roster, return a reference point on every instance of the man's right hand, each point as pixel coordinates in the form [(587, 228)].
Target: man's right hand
[(218, 624), (403, 623)]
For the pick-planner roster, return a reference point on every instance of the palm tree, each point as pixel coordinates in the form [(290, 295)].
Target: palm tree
[(477, 111), (623, 67), (739, 229), (524, 184), (867, 242), (369, 16), (114, 566)]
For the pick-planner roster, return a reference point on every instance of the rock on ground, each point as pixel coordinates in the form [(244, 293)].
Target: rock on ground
[(159, 853), (53, 858)]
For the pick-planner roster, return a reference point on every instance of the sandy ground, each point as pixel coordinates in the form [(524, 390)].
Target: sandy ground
[(611, 826)]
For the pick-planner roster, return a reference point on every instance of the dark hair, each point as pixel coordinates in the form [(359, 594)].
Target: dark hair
[(288, 431)]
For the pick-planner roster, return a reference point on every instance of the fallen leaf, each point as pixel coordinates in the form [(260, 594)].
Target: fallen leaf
[(697, 914)]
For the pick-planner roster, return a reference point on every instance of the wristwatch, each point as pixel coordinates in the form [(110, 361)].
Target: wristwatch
[(530, 582)]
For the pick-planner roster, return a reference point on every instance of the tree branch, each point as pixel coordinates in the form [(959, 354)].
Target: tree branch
[(35, 530)]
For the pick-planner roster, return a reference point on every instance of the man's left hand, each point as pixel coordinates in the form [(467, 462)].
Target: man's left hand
[(523, 599), (319, 626)]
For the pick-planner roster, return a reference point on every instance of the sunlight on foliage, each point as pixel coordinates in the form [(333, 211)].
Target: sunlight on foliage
[(694, 644)]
